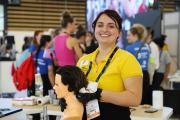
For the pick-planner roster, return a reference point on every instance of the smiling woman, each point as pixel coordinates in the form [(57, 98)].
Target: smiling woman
[(118, 74)]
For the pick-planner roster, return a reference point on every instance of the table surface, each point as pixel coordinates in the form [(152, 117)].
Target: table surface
[(137, 113), (16, 116), (175, 77)]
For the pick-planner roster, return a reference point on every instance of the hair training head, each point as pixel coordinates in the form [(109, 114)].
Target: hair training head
[(73, 77)]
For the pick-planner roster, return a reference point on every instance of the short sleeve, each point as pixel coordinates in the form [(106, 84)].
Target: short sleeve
[(167, 58), (131, 67), (32, 48)]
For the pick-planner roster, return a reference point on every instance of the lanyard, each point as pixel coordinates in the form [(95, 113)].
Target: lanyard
[(105, 66)]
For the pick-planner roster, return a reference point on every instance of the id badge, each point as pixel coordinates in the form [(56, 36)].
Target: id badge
[(92, 107)]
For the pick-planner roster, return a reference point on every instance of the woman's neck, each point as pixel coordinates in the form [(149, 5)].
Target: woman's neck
[(105, 49), (67, 31), (135, 40)]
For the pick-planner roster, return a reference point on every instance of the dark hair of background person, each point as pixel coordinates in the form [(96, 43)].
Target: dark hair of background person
[(66, 18), (36, 33), (89, 32), (152, 31), (163, 37), (93, 46), (57, 31), (80, 32), (113, 15), (73, 77), (44, 39), (159, 41), (27, 42), (137, 31)]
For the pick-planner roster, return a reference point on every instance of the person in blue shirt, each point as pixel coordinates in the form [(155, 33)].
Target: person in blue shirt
[(44, 65), (36, 41), (141, 51)]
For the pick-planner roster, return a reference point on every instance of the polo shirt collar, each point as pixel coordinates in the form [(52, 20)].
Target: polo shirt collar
[(105, 59)]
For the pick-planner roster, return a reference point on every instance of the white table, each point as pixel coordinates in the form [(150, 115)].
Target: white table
[(6, 103), (15, 116), (51, 110), (139, 114)]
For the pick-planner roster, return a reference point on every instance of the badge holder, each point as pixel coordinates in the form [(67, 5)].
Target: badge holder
[(92, 107)]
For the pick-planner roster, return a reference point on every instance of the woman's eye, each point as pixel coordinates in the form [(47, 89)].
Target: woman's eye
[(99, 25), (111, 26)]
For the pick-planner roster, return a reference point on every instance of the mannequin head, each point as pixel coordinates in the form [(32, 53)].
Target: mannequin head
[(69, 79)]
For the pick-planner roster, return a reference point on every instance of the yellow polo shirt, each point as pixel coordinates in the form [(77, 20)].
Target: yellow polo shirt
[(122, 66)]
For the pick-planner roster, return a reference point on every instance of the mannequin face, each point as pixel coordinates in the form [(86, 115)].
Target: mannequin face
[(60, 89)]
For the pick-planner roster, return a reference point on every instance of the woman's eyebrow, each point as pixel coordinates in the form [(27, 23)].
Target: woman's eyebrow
[(111, 23), (99, 22)]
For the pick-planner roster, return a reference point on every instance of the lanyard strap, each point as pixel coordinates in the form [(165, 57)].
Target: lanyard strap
[(142, 44), (105, 66), (89, 69)]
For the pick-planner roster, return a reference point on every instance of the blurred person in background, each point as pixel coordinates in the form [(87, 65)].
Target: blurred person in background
[(165, 47), (90, 43), (67, 48), (154, 55), (140, 50), (36, 41), (27, 43), (44, 65), (81, 36), (8, 54), (161, 74)]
